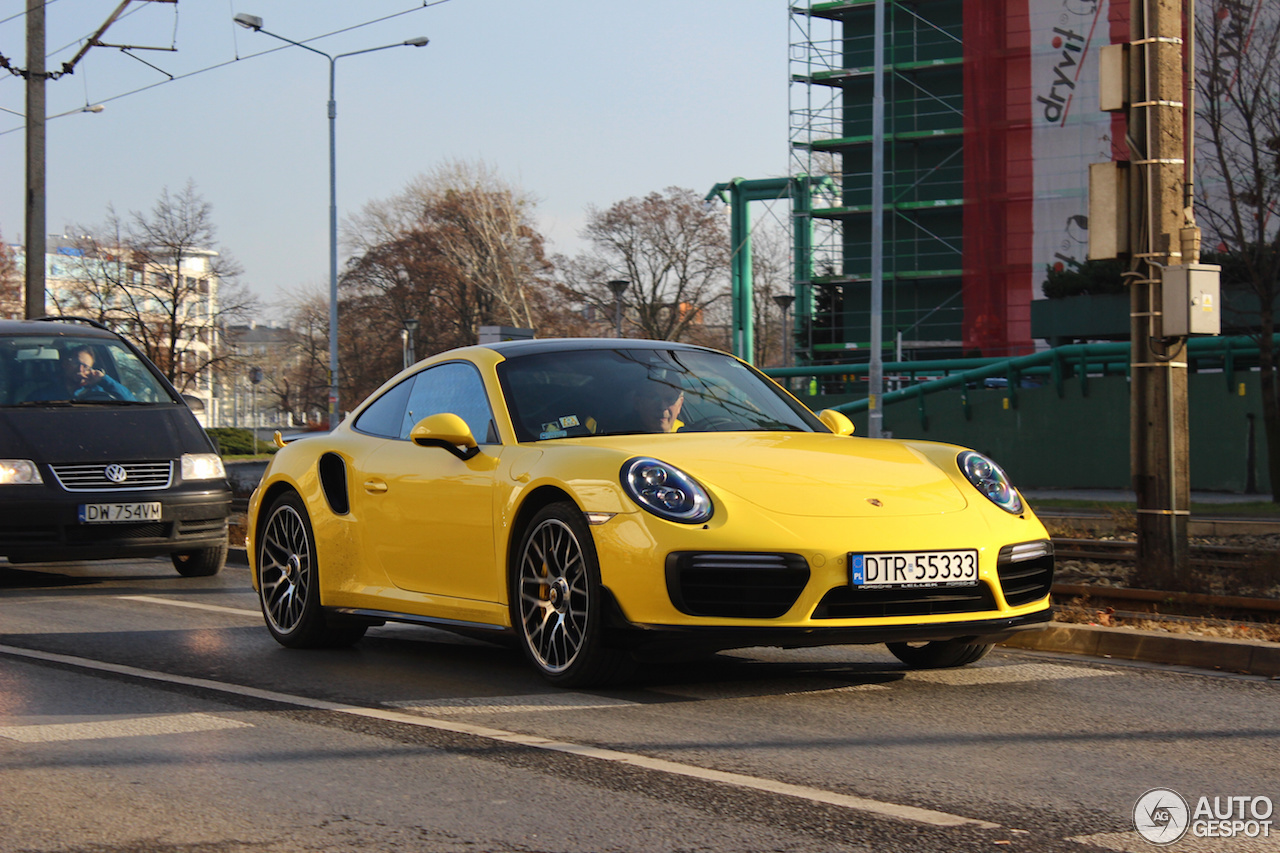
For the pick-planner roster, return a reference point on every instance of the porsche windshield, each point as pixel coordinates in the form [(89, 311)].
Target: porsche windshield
[(37, 370), (621, 391)]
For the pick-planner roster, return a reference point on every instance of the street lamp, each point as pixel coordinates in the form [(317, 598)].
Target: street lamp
[(255, 376), (784, 301), (253, 22), (618, 287), (410, 326)]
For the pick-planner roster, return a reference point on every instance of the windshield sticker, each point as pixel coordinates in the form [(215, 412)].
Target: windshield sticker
[(569, 421), (552, 433)]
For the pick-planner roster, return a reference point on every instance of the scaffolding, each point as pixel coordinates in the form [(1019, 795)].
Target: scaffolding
[(830, 101)]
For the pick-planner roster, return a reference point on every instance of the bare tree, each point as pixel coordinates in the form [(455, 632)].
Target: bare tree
[(770, 277), (672, 249), (456, 250), (11, 292), (161, 279), (1238, 159)]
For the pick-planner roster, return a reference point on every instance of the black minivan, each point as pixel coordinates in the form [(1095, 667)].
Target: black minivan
[(100, 457)]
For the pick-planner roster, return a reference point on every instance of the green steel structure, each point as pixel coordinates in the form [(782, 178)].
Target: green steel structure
[(832, 61), (738, 194), (1060, 418)]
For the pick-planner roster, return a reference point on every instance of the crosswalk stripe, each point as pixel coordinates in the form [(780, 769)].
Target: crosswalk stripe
[(1013, 674), (193, 605), (514, 704), (167, 724)]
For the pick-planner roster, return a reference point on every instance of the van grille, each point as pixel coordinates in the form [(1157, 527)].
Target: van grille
[(107, 477)]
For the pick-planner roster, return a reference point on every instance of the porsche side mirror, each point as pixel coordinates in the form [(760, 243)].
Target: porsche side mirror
[(836, 422), (445, 430)]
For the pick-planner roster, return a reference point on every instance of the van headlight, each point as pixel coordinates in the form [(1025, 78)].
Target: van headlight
[(18, 472), (203, 466)]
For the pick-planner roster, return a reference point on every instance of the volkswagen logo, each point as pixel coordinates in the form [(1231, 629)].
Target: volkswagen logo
[(116, 473)]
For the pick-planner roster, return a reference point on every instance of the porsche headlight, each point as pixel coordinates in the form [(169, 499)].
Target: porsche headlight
[(988, 478), (202, 466), (18, 472), (666, 491)]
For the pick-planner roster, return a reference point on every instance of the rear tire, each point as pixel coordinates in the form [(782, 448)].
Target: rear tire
[(556, 604), (201, 563), (939, 654), (289, 582)]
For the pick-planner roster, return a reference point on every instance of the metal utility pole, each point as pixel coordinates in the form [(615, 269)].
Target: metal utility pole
[(1159, 447), (875, 377), (35, 202), (37, 76)]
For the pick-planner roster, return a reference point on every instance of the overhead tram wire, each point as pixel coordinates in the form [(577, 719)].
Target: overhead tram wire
[(426, 4)]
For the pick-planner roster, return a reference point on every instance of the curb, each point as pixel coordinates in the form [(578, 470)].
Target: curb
[(1250, 657)]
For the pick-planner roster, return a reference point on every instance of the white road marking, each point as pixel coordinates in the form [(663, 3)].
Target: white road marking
[(803, 792), (514, 704), (168, 724), (194, 605), (1012, 674)]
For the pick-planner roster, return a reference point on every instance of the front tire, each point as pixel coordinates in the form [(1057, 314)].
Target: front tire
[(939, 654), (556, 602), (201, 563), (289, 581)]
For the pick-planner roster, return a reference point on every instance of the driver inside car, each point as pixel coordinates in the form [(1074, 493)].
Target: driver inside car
[(81, 380), (656, 407)]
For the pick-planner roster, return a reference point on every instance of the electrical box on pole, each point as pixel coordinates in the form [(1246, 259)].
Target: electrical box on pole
[(1109, 210), (1191, 300)]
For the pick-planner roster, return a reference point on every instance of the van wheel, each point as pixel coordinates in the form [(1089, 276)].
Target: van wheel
[(201, 563)]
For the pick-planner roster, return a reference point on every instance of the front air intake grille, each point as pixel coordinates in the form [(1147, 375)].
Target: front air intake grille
[(117, 477), (1026, 572), (735, 585), (847, 602)]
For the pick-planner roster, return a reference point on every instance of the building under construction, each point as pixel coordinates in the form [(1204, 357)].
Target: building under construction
[(990, 119)]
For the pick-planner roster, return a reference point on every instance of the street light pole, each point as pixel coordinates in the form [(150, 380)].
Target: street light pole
[(784, 301), (618, 287), (410, 326), (253, 22)]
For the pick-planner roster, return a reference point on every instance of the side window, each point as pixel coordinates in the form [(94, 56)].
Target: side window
[(455, 388), (385, 414)]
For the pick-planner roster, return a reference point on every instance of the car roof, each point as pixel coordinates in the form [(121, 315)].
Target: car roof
[(55, 326), (510, 349)]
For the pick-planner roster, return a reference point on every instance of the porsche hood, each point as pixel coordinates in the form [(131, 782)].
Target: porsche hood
[(812, 474)]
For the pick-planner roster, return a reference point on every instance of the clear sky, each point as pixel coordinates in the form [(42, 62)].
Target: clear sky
[(579, 103)]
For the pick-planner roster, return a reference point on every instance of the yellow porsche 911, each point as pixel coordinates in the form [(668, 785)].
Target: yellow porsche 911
[(605, 500)]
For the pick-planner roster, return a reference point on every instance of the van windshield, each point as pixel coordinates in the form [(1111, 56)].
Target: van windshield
[(52, 369)]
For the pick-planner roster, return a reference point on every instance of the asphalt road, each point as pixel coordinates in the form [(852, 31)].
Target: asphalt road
[(142, 711)]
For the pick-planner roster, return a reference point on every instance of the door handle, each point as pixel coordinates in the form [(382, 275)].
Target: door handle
[(376, 487)]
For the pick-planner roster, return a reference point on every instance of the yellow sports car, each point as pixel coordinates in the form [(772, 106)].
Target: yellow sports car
[(605, 500)]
